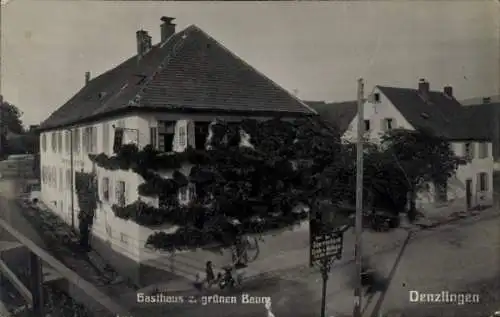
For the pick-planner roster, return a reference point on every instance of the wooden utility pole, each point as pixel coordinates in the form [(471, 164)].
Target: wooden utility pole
[(359, 200)]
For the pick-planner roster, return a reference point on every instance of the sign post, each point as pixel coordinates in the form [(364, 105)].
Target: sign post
[(325, 248)]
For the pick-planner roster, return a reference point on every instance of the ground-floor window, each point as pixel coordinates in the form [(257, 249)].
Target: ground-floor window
[(483, 182)]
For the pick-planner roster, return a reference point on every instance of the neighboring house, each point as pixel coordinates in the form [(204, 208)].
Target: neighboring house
[(165, 96), (480, 100), (339, 114), (438, 112)]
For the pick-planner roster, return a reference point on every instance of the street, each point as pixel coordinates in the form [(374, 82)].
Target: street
[(459, 258)]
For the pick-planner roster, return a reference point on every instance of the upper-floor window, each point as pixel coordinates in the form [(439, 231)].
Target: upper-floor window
[(120, 194), (89, 140), (53, 141), (387, 124), (200, 134), (67, 141), (59, 142), (44, 142), (367, 125), (166, 132), (76, 140), (376, 97), (468, 150), (483, 150)]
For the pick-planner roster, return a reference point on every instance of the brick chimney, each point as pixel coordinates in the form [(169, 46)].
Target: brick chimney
[(143, 43), (448, 91), (87, 78), (167, 28), (423, 89)]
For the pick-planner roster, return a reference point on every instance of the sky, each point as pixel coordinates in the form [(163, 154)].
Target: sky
[(318, 49)]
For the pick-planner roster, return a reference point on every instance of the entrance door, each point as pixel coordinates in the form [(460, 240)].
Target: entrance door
[(468, 193)]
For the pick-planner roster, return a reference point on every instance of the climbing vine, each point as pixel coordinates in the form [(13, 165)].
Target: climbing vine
[(88, 198), (239, 190)]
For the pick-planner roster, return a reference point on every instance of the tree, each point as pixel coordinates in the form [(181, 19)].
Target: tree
[(422, 156), (10, 124), (10, 118), (255, 173)]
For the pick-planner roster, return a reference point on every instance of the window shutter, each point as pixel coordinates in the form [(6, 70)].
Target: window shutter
[(383, 125), (125, 193), (153, 137), (478, 182), (472, 150), (190, 134)]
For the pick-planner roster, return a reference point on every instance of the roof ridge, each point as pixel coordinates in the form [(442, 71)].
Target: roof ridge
[(164, 63), (255, 70)]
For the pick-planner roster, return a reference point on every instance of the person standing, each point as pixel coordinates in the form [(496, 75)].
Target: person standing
[(210, 276)]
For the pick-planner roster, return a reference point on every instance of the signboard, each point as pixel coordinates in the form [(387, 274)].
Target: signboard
[(325, 246)]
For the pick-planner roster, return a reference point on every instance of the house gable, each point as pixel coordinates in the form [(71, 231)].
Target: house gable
[(376, 112)]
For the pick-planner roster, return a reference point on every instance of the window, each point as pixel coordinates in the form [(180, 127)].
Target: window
[(76, 140), (483, 182), (367, 125), (67, 141), (483, 150), (88, 140), (54, 176), (105, 138), (120, 194), (469, 151), (388, 124), (182, 136), (44, 142), (59, 142), (53, 141), (68, 179), (153, 137), (61, 179), (165, 135), (124, 238), (105, 188), (200, 134), (376, 97)]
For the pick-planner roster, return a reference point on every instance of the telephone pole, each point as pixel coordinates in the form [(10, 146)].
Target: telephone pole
[(359, 200)]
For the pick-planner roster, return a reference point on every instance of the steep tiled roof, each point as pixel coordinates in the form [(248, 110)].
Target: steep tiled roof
[(439, 114), (191, 71), (339, 114), (477, 122)]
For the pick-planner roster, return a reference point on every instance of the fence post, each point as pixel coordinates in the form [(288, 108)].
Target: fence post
[(36, 284)]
